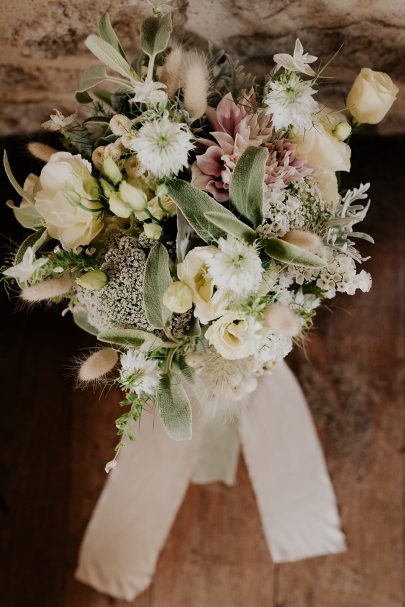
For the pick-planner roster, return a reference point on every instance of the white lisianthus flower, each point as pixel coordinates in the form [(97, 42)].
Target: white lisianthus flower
[(67, 197), (149, 92), (290, 102), (298, 62), (235, 266), (319, 147), (235, 335), (139, 374), (162, 146), (371, 96), (193, 271), (27, 267)]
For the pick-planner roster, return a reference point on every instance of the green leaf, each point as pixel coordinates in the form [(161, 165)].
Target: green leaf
[(174, 407), (155, 34), (232, 225), (93, 75), (80, 319), (157, 280), (108, 34), (26, 215), (291, 254), (35, 241), (134, 338), (247, 182), (103, 95), (83, 97), (194, 204), (110, 57), (14, 182)]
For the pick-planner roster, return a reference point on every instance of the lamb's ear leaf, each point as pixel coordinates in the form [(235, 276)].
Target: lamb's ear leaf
[(194, 204), (111, 58), (80, 319), (14, 181), (92, 76), (155, 34), (157, 280), (232, 225), (247, 183), (108, 34), (134, 338), (35, 241), (291, 254), (174, 407)]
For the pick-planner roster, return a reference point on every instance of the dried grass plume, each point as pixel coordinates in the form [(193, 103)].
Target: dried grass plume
[(97, 365), (42, 151), (47, 289), (195, 83), (171, 71)]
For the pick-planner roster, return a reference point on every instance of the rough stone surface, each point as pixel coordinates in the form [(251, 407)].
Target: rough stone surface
[(42, 50)]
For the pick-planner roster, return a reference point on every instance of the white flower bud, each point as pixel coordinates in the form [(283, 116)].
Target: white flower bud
[(98, 364), (178, 297), (342, 130), (133, 196), (118, 206), (154, 231), (111, 170), (98, 157), (93, 280)]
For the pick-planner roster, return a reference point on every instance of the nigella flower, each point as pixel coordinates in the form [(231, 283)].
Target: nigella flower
[(162, 146), (139, 374), (235, 266), (290, 103), (149, 92)]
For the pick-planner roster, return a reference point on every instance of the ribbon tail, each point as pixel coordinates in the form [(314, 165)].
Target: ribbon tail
[(286, 465), (135, 511)]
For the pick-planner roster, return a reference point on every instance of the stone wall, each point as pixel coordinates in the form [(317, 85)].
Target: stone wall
[(42, 50)]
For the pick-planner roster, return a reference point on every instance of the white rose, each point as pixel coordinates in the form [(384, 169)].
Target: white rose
[(371, 96), (64, 185), (235, 336), (319, 147), (328, 186), (193, 271)]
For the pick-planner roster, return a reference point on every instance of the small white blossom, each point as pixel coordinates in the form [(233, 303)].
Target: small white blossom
[(290, 103), (138, 373), (297, 62), (149, 92), (162, 146), (235, 266), (58, 121), (24, 270)]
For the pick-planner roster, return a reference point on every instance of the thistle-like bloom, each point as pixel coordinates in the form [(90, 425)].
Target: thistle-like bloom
[(290, 103), (27, 267), (163, 146), (149, 92), (298, 62), (235, 266), (139, 374)]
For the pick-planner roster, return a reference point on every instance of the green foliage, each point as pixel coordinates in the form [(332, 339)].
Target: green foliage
[(26, 215), (232, 225), (174, 407), (111, 58), (247, 182), (14, 182), (108, 34), (155, 34), (157, 280), (80, 319), (134, 338), (35, 241), (288, 253), (93, 75)]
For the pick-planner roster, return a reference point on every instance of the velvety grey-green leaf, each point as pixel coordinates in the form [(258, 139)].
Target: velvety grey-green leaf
[(174, 407), (14, 181), (110, 57), (108, 34), (157, 280), (291, 254), (93, 75), (35, 241), (247, 182), (80, 319), (155, 34), (231, 225), (194, 204), (26, 215), (134, 338)]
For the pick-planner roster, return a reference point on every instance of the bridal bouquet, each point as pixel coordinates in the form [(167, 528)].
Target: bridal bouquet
[(195, 221)]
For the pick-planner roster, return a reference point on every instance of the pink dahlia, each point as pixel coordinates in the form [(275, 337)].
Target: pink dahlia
[(234, 129)]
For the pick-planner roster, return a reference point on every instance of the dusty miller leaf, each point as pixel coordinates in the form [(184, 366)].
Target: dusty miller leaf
[(157, 280), (155, 34), (174, 407)]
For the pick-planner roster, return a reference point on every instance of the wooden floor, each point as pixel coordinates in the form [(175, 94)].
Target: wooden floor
[(55, 440)]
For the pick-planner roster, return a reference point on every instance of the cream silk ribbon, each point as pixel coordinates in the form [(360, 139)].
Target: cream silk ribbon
[(139, 503)]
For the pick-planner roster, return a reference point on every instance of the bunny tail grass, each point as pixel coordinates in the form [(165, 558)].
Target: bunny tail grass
[(303, 239), (195, 82), (97, 365), (41, 150), (47, 289), (171, 71)]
